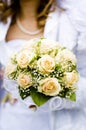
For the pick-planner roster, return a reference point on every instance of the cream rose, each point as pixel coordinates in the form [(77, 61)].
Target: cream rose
[(10, 68), (24, 57), (47, 45), (49, 86), (64, 56), (46, 64), (71, 78), (24, 80), (29, 45)]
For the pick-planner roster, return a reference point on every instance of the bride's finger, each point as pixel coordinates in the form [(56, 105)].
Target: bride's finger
[(8, 98), (13, 101)]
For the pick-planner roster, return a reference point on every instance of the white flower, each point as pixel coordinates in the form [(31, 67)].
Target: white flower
[(49, 86), (64, 56), (29, 45), (47, 45), (71, 78), (24, 57), (24, 80), (46, 64), (10, 68)]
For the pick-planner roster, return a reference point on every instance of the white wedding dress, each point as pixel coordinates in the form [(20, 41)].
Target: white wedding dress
[(71, 115)]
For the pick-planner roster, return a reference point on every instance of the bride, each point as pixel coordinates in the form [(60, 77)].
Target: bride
[(22, 20)]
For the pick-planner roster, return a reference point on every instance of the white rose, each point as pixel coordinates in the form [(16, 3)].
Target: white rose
[(10, 68), (46, 64), (29, 45), (24, 57), (49, 86), (71, 78), (47, 45), (64, 56), (24, 80)]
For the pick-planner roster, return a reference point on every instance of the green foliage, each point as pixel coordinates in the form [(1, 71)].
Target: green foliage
[(24, 93), (13, 75), (38, 98), (73, 97), (13, 60), (70, 67)]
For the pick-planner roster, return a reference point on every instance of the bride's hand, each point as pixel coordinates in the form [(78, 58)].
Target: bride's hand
[(8, 98)]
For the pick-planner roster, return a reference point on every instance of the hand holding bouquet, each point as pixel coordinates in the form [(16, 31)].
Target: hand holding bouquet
[(44, 69)]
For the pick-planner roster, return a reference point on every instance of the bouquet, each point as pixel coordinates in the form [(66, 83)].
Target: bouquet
[(44, 69)]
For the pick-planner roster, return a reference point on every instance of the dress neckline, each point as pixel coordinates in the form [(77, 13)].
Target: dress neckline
[(14, 40)]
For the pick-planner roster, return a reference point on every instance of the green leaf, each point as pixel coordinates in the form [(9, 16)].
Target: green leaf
[(35, 58), (24, 93), (73, 97), (38, 98), (13, 60)]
